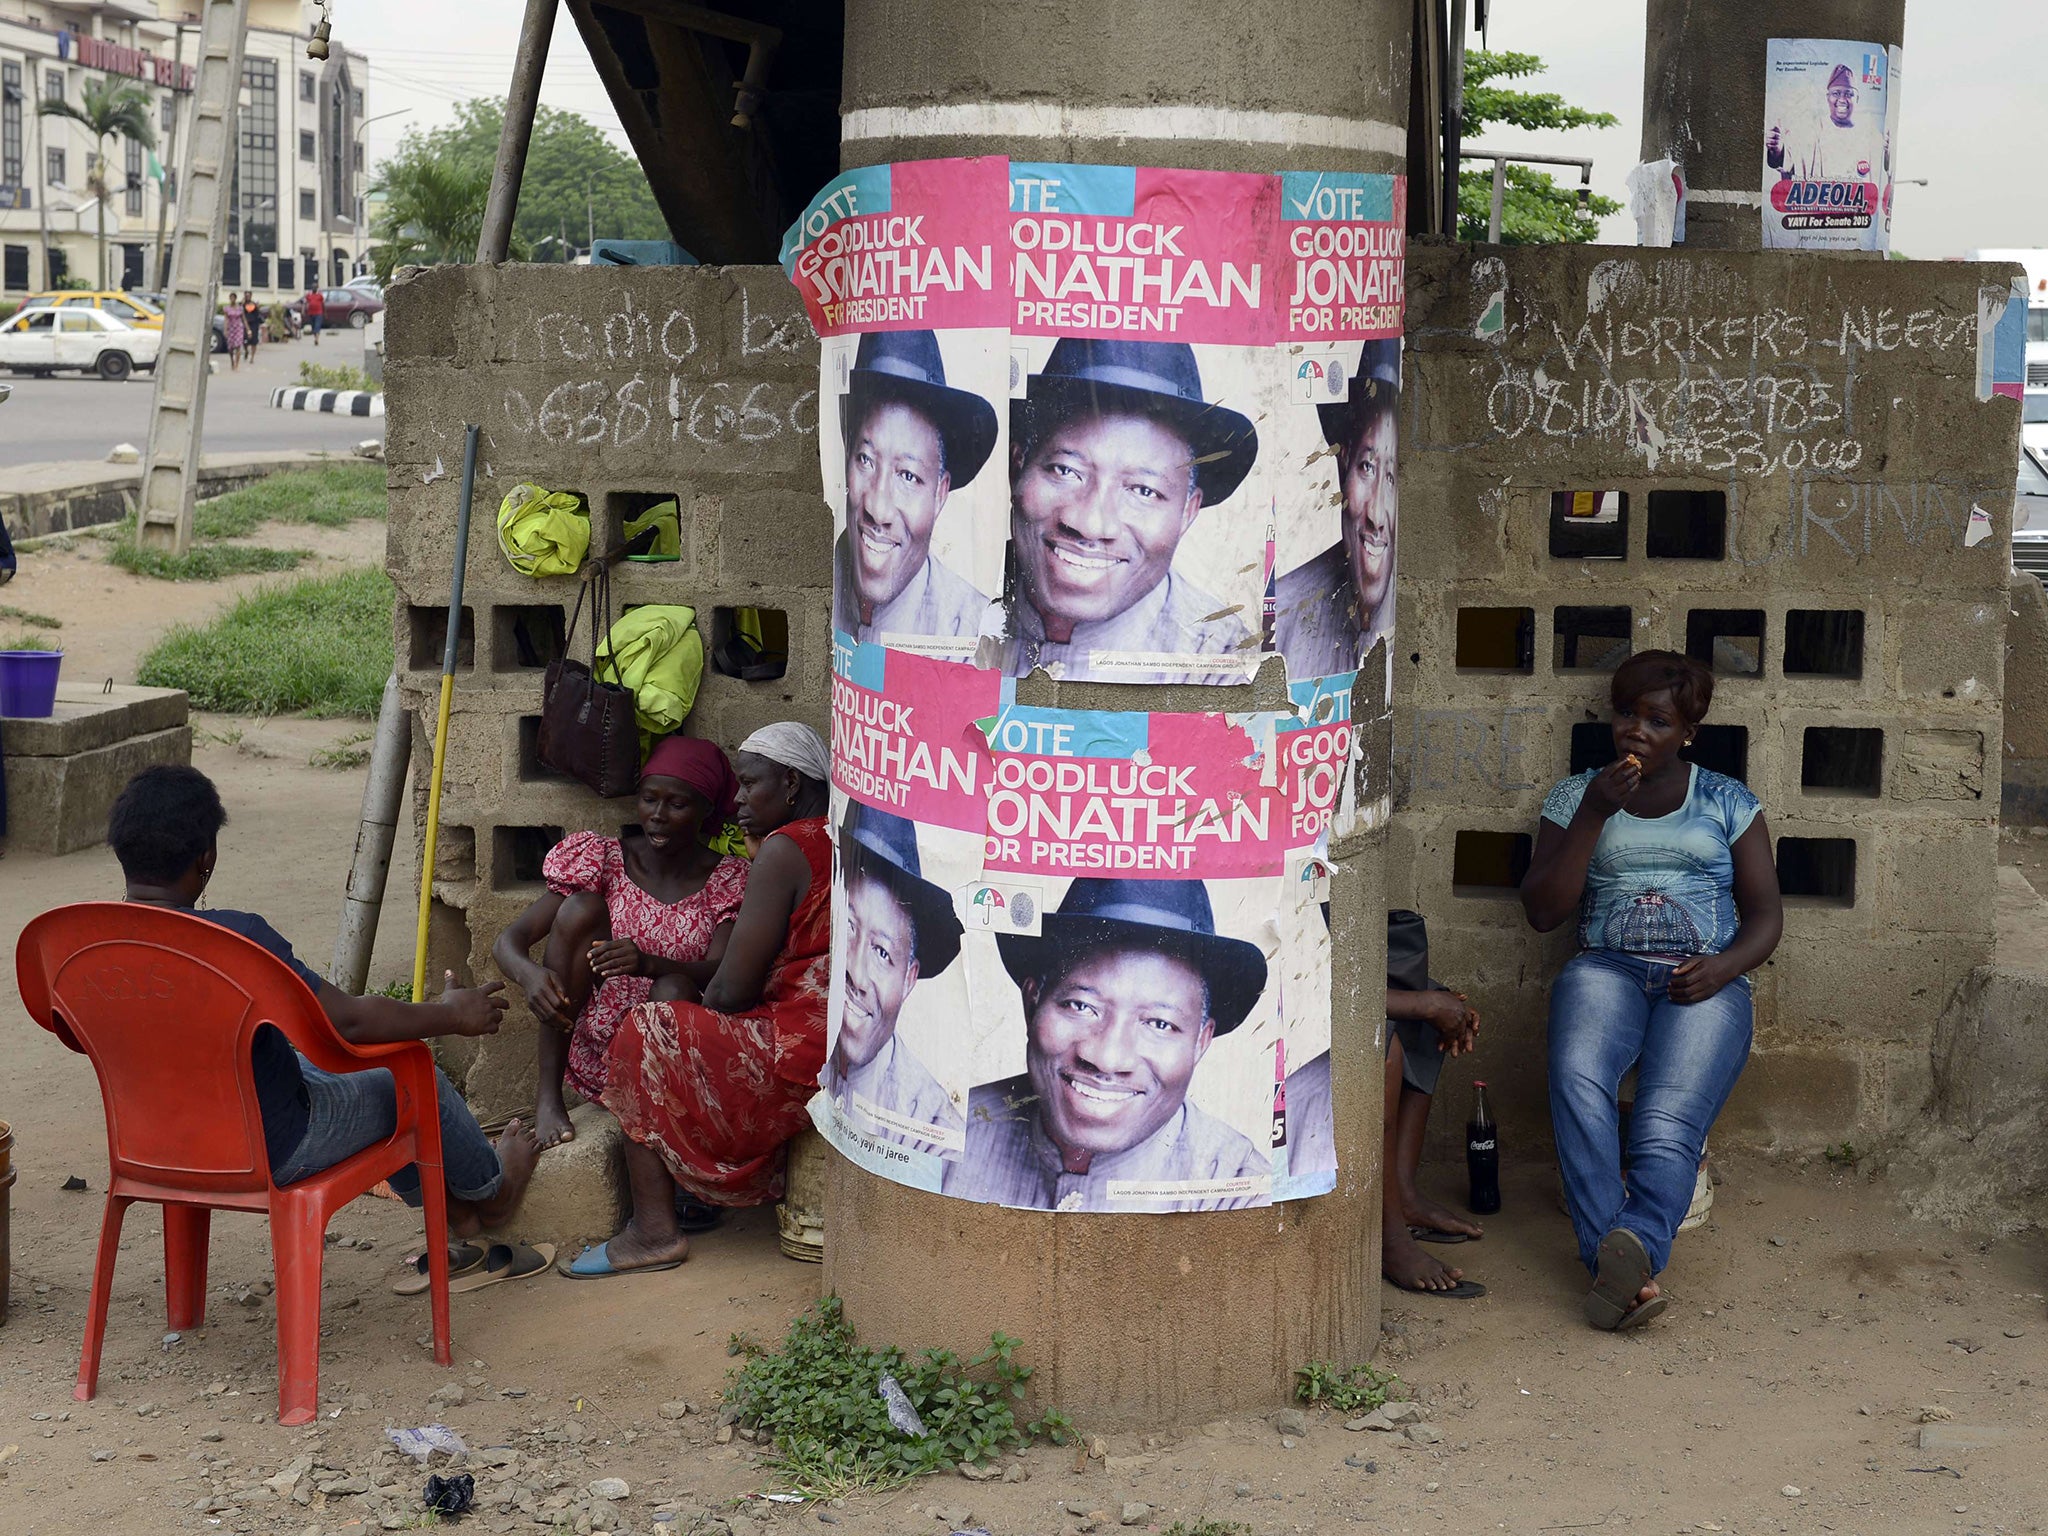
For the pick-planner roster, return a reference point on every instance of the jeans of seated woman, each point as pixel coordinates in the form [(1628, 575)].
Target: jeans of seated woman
[(354, 1110), (1608, 1012)]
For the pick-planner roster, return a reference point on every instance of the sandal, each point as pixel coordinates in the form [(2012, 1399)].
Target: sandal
[(462, 1258), (507, 1261), (595, 1263), (1464, 1290), (693, 1216), (1624, 1270), (1433, 1235)]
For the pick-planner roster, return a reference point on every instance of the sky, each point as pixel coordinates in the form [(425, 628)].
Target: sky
[(1969, 110)]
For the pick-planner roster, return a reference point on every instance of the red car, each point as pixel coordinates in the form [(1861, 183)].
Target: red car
[(345, 306)]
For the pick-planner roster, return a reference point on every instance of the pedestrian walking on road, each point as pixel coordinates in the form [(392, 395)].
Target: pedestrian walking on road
[(252, 314), (235, 325), (316, 312)]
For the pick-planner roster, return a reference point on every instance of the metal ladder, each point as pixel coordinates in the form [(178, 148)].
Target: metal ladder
[(170, 475)]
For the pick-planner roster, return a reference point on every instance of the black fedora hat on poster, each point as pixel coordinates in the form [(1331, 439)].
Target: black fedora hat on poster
[(1158, 379), (1171, 917), (1378, 375), (883, 847), (906, 366)]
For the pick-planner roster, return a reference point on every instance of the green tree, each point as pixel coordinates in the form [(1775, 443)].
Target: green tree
[(107, 108), (577, 181), (1535, 209), (433, 212)]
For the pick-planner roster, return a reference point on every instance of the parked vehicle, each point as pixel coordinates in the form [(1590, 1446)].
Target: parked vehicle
[(2036, 264), (128, 308), (368, 285), (345, 306), (2034, 420), (75, 338)]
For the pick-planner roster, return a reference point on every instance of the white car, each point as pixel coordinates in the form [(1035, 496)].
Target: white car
[(2034, 420), (43, 341)]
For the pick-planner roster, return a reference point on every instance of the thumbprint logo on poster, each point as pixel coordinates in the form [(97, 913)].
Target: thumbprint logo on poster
[(1006, 908), (1333, 379)]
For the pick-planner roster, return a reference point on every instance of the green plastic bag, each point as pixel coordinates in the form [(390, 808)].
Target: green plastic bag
[(660, 656), (543, 532)]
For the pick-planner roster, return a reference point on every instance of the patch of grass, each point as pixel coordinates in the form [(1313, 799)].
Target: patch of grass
[(321, 644), (203, 562), (349, 752), (32, 620), (28, 640), (331, 496), (400, 989), (1842, 1155), (1348, 1390), (340, 376), (819, 1399)]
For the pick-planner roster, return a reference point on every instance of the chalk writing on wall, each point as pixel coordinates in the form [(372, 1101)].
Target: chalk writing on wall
[(1438, 749), (668, 407)]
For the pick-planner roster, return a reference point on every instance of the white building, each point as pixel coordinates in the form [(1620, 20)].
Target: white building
[(297, 214)]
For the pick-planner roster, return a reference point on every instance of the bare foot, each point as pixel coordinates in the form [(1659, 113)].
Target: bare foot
[(518, 1151), (1403, 1261), (632, 1249), (1420, 1211), (551, 1125)]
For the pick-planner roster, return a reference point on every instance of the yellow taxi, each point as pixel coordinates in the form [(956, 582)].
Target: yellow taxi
[(125, 307)]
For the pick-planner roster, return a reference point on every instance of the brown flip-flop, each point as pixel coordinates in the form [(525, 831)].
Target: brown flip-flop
[(507, 1261), (462, 1258), (1624, 1270)]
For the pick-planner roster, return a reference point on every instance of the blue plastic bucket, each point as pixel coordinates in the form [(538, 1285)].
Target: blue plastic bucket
[(28, 683)]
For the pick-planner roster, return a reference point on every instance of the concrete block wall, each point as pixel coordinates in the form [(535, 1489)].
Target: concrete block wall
[(696, 382), (1833, 404)]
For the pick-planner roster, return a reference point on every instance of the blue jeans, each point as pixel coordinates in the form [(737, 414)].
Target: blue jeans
[(1609, 1012), (354, 1110)]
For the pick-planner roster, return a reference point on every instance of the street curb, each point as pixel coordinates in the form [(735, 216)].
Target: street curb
[(55, 498), (342, 402)]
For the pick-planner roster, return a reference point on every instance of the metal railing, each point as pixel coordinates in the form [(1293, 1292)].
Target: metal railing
[(1501, 159)]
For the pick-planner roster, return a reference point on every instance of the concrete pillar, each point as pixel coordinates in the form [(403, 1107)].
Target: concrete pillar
[(1703, 97), (1144, 1321)]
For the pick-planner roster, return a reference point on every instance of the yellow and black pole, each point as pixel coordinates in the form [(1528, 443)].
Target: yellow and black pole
[(419, 953)]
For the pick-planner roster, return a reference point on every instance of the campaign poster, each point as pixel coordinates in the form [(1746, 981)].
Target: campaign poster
[(1078, 956), (902, 268), (1342, 239), (1830, 116)]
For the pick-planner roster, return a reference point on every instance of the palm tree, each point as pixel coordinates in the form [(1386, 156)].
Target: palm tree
[(433, 213), (108, 108)]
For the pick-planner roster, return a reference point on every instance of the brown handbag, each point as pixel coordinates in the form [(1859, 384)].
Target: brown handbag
[(587, 728)]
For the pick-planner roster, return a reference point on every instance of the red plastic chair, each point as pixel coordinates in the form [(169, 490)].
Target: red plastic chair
[(166, 1006)]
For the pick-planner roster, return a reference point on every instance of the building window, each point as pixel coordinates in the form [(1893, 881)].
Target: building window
[(355, 102), (255, 191), (286, 276), (306, 145), (309, 207), (167, 112), (308, 91), (53, 167), (53, 85), (10, 124), (133, 167), (16, 274), (358, 162)]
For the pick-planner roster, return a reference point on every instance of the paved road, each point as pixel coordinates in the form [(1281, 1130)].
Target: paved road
[(73, 417)]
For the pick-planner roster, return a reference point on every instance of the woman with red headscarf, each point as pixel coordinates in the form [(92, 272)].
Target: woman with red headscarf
[(620, 913)]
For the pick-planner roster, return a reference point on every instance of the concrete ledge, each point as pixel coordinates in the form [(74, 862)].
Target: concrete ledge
[(91, 716), (578, 1193), (60, 804), (42, 499)]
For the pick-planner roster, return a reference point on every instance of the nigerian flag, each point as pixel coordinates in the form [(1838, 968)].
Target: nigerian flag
[(156, 169)]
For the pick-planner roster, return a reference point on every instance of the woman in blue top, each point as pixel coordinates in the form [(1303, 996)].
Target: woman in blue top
[(1668, 868)]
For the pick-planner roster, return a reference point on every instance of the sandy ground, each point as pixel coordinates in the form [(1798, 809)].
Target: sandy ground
[(1816, 1334)]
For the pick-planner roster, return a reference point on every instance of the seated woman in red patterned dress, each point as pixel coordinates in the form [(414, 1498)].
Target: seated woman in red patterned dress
[(709, 1084), (620, 914)]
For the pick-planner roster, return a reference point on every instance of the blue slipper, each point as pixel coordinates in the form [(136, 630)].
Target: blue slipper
[(595, 1263)]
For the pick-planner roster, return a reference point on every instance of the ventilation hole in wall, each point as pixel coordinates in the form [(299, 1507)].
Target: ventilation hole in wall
[(1688, 525), (1590, 639), (531, 769), (1592, 746), (1824, 642), (1838, 760), (1819, 871), (1489, 863), (1496, 640), (651, 545), (1589, 525), (750, 643), (427, 639), (526, 639), (517, 853), (455, 854), (1728, 641), (1722, 748)]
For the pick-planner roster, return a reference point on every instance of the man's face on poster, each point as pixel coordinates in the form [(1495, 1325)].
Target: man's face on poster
[(881, 967), (1110, 1046), (1366, 481), (896, 483), (1097, 509), (1842, 105)]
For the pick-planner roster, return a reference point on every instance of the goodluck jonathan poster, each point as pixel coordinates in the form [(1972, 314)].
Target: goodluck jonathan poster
[(1830, 115)]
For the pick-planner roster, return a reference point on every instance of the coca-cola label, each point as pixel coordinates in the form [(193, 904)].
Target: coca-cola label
[(1480, 1146)]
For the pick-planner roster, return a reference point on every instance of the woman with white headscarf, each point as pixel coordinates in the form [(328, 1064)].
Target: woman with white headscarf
[(709, 1085)]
